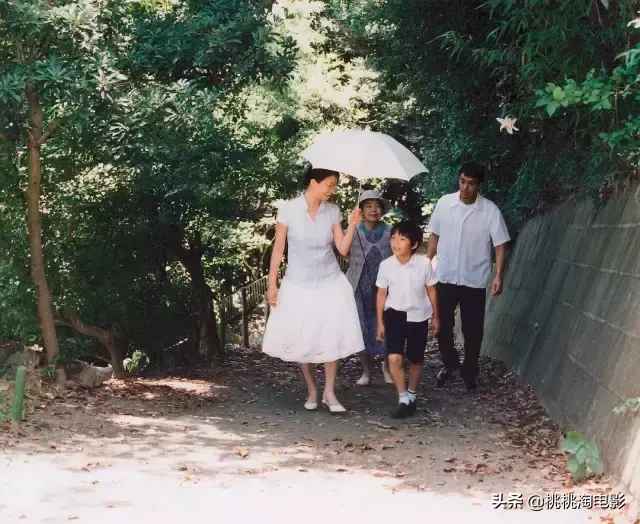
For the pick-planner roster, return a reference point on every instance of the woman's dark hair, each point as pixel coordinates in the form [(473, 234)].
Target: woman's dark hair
[(318, 175), (409, 230), (473, 170)]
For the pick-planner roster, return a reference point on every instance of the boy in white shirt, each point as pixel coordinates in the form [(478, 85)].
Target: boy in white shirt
[(405, 301)]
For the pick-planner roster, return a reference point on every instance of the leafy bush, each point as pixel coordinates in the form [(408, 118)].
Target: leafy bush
[(137, 363), (583, 457), (631, 404), (5, 407)]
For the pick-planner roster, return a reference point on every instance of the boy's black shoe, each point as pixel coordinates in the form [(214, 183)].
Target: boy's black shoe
[(444, 375), (403, 410), (471, 384)]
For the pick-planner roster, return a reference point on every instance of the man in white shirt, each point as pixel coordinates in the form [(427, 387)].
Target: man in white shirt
[(464, 226)]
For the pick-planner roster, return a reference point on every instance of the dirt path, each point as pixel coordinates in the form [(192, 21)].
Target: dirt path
[(235, 445)]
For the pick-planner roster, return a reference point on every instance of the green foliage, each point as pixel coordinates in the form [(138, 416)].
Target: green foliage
[(631, 404), (137, 363), (149, 150), (5, 407), (449, 71), (180, 126), (49, 373), (583, 457), (5, 371)]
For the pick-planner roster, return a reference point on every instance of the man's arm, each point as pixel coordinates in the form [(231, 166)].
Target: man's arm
[(434, 231), (499, 238), (432, 246), (433, 298), (501, 256)]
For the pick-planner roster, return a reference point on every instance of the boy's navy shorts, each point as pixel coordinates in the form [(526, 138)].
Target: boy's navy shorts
[(398, 332)]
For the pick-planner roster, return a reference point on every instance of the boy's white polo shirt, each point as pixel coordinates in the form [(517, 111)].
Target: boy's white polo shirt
[(466, 234), (405, 284)]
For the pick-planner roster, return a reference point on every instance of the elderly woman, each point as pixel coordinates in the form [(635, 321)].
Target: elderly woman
[(370, 246)]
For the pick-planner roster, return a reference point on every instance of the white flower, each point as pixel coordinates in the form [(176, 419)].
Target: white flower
[(508, 123), (635, 23)]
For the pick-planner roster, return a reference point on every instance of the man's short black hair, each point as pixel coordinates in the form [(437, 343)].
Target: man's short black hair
[(473, 170), (409, 230)]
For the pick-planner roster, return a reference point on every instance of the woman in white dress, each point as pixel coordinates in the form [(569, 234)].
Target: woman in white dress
[(314, 318)]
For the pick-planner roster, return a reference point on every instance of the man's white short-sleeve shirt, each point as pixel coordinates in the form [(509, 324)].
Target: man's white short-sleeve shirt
[(466, 234)]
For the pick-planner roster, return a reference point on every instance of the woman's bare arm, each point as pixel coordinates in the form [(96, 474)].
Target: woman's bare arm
[(343, 240), (276, 259)]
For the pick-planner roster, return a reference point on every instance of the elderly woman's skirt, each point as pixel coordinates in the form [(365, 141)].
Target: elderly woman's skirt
[(364, 304)]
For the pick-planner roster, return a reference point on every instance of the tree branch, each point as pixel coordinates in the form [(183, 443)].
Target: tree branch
[(62, 322), (104, 336), (50, 129)]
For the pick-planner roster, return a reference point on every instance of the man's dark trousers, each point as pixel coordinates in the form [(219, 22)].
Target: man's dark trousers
[(472, 304)]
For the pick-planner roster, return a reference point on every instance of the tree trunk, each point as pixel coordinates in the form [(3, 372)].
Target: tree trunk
[(208, 330), (37, 265), (104, 336), (191, 259)]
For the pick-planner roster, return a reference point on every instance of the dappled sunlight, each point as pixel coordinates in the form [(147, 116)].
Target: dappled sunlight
[(172, 448)]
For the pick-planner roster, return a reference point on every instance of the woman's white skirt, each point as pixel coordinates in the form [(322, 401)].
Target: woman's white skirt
[(314, 325)]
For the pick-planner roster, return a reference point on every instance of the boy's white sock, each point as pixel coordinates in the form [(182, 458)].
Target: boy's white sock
[(412, 395), (403, 398)]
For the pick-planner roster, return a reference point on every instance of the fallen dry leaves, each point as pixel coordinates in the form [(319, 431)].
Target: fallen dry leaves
[(243, 452), (505, 414), (381, 425), (381, 474)]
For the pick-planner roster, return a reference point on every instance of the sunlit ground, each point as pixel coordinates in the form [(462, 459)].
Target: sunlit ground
[(234, 445), (190, 470)]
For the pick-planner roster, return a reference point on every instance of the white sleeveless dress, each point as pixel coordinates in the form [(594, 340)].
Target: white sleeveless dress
[(315, 319)]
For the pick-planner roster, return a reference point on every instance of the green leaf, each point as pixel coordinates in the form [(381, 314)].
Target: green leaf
[(633, 403), (605, 3), (577, 469), (595, 465), (542, 102), (581, 455), (592, 449), (558, 93), (551, 107), (572, 442)]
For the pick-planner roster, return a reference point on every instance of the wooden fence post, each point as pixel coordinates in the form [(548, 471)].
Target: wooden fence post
[(245, 318), (18, 398)]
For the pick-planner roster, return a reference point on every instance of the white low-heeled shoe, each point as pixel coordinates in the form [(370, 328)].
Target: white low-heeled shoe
[(310, 406), (334, 408)]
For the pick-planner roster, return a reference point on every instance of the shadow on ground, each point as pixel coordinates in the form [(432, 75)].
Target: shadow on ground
[(241, 427)]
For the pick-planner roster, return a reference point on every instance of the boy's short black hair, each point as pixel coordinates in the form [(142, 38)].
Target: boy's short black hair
[(473, 170), (409, 230)]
